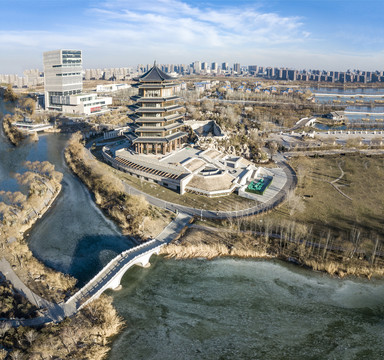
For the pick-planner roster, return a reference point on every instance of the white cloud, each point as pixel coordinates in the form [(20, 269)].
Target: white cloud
[(170, 20), (127, 32)]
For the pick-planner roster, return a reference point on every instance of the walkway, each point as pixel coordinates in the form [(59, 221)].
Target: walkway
[(52, 310), (108, 278)]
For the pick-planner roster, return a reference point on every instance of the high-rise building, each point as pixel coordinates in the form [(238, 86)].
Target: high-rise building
[(62, 76), (252, 69), (197, 67), (63, 85), (236, 68), (224, 66), (214, 67), (204, 66)]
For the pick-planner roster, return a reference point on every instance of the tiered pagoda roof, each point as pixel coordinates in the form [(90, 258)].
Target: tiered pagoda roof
[(154, 75), (157, 115)]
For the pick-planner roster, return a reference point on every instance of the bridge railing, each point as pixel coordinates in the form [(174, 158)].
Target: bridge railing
[(102, 288), (114, 260)]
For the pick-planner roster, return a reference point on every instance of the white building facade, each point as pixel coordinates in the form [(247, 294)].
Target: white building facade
[(63, 85), (62, 76)]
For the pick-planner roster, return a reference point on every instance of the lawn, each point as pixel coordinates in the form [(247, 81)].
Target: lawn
[(361, 207)]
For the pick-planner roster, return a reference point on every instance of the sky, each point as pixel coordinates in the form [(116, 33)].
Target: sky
[(310, 34)]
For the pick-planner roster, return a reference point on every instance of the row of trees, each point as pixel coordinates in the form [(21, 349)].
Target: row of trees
[(129, 211), (357, 254), (18, 211)]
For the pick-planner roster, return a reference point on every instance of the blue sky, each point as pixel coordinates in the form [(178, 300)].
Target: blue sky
[(321, 34)]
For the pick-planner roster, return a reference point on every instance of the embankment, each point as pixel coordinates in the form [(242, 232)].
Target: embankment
[(132, 213), (208, 243), (14, 135)]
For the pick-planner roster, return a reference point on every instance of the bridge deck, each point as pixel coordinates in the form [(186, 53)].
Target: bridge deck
[(116, 268)]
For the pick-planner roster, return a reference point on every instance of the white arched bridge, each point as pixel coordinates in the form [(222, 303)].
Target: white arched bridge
[(110, 276)]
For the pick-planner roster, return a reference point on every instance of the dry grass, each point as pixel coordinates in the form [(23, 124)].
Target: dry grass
[(14, 135), (132, 213), (206, 244), (326, 208), (198, 243), (85, 336), (212, 183), (18, 212)]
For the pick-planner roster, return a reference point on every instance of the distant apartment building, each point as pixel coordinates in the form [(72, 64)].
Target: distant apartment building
[(214, 67), (252, 69), (63, 84), (224, 66), (236, 68), (197, 67), (111, 87), (111, 74), (30, 78)]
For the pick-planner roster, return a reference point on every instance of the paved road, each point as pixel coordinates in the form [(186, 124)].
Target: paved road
[(52, 310), (341, 137), (335, 152)]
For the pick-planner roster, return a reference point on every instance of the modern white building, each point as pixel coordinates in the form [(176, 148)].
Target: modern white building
[(63, 84), (86, 104), (111, 87), (62, 77)]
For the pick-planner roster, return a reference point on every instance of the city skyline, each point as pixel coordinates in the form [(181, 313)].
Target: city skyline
[(323, 34)]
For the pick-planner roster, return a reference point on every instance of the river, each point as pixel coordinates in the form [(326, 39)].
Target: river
[(246, 309), (74, 237), (199, 309), (371, 110)]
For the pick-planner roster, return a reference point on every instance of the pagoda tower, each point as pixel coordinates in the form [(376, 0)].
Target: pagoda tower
[(158, 118)]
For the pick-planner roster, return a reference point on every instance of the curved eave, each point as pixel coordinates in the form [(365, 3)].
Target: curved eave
[(154, 74), (156, 86), (158, 109), (158, 128), (139, 119), (143, 99), (158, 140)]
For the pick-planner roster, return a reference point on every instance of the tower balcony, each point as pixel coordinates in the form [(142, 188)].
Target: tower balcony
[(156, 119), (165, 109), (159, 99)]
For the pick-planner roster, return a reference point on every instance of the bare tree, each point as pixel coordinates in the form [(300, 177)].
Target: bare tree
[(31, 336), (294, 203), (272, 146)]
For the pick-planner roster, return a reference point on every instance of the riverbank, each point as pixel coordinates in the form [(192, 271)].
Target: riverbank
[(132, 213), (19, 213), (14, 135), (209, 243), (85, 335)]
